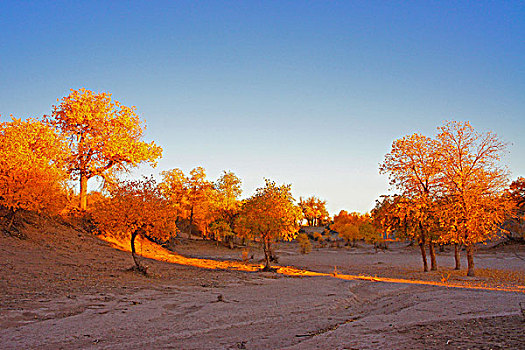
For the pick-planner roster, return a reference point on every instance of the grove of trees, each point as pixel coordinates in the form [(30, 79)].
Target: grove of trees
[(354, 227), (91, 135), (33, 160), (314, 211), (451, 188)]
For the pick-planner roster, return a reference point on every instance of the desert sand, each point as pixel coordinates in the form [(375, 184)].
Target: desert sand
[(65, 289)]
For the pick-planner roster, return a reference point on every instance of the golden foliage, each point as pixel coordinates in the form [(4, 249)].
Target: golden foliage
[(314, 211), (32, 171), (134, 208), (228, 188), (305, 246), (413, 166), (269, 214), (354, 226), (225, 205), (473, 207), (387, 216), (451, 186), (174, 188), (207, 206), (516, 194), (318, 237), (103, 134)]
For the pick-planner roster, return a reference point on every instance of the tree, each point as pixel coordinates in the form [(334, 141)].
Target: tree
[(198, 198), (305, 246), (222, 231), (32, 167), (314, 211), (105, 136), (474, 183), (371, 234), (515, 223), (225, 206), (190, 198), (517, 192), (347, 225), (229, 189), (386, 216), (413, 168), (174, 189), (270, 214), (354, 227), (135, 208)]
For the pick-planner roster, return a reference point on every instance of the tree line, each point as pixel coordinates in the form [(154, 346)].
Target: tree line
[(451, 188), (90, 135)]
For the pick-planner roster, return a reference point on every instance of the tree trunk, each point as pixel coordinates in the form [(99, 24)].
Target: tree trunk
[(190, 231), (470, 260), (133, 251), (432, 250), (422, 241), (11, 219), (266, 248), (139, 267), (83, 192), (271, 248), (457, 257), (424, 256)]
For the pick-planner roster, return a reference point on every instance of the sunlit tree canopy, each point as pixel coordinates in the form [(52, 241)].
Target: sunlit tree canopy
[(104, 135)]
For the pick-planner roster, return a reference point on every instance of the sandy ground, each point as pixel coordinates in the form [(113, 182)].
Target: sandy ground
[(65, 289)]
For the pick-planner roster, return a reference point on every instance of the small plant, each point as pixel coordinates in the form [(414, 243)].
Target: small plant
[(305, 246), (245, 255), (444, 279)]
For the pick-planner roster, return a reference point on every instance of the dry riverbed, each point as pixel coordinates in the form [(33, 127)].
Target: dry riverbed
[(63, 288)]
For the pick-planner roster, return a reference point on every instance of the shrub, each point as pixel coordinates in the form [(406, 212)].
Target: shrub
[(305, 246), (318, 237)]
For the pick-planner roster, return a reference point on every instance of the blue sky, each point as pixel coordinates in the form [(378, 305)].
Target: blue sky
[(305, 92)]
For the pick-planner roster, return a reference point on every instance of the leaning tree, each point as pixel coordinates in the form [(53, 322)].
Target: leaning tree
[(135, 208)]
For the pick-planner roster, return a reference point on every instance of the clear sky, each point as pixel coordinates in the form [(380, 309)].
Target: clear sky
[(310, 93)]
